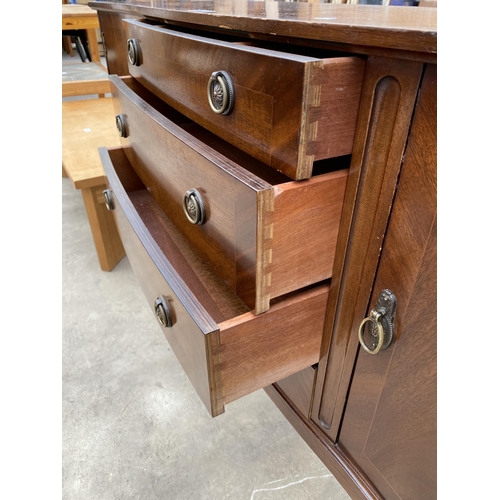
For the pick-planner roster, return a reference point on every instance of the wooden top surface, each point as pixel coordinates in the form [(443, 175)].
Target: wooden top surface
[(76, 10), (80, 17), (387, 27), (87, 125)]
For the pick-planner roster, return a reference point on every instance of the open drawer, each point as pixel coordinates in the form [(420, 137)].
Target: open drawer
[(264, 234), (225, 349), (286, 109)]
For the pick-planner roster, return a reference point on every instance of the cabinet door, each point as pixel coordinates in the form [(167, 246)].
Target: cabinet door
[(389, 425)]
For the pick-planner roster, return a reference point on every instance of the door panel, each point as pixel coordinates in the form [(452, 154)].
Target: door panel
[(388, 101), (389, 425)]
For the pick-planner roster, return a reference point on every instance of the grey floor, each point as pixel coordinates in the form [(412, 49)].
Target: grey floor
[(133, 426)]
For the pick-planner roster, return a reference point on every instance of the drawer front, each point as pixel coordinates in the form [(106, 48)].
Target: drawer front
[(288, 111), (170, 163), (264, 237), (227, 352), (190, 336), (114, 40)]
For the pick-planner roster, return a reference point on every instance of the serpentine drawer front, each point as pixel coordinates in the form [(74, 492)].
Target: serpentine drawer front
[(285, 109), (226, 350), (264, 234)]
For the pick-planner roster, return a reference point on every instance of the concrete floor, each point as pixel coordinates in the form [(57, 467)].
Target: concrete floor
[(132, 425)]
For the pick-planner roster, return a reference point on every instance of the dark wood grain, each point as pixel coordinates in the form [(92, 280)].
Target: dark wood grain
[(372, 418), (397, 29), (225, 350), (113, 40), (298, 389), (389, 424), (169, 168), (263, 240), (183, 271), (289, 110), (157, 277), (387, 103), (343, 468)]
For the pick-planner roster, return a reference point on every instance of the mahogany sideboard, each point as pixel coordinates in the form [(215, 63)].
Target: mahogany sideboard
[(275, 191)]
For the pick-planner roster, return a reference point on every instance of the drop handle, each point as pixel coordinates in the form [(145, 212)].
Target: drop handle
[(220, 93), (120, 125), (108, 199), (381, 322), (163, 312), (194, 207), (133, 52)]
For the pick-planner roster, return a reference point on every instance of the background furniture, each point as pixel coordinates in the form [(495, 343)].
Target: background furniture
[(79, 38), (81, 17), (86, 125), (370, 417)]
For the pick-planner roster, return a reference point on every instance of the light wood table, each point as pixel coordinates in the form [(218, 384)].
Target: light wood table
[(82, 17), (87, 125)]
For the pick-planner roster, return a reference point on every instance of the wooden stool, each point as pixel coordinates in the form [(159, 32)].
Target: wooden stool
[(87, 125)]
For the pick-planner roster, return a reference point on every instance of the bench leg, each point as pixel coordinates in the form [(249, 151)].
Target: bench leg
[(95, 56), (107, 240)]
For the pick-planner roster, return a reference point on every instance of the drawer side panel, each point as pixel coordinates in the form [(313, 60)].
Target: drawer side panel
[(305, 226), (256, 351), (335, 118)]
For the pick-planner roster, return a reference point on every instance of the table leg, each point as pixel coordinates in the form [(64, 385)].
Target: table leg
[(67, 47), (104, 231), (93, 46)]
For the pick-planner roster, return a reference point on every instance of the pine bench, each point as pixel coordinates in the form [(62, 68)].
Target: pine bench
[(87, 125)]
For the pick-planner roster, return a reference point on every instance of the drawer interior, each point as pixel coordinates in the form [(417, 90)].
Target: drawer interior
[(224, 36), (256, 168), (265, 235), (287, 108), (226, 350), (211, 291)]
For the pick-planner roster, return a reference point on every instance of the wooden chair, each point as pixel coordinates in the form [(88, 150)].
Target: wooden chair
[(88, 124)]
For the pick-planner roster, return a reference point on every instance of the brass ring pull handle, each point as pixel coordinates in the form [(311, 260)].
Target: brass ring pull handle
[(133, 52), (163, 312), (381, 319), (374, 319), (193, 206), (120, 125), (108, 200), (220, 92)]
